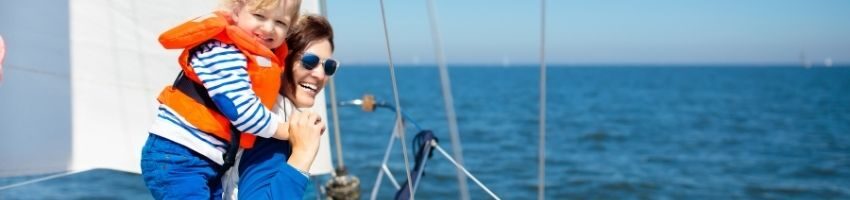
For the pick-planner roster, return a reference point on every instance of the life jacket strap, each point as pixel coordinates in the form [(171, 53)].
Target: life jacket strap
[(198, 93)]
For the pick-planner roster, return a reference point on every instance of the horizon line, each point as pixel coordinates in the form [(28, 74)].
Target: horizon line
[(602, 65)]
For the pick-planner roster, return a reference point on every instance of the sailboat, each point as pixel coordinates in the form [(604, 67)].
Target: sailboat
[(78, 96), (79, 93), (804, 61)]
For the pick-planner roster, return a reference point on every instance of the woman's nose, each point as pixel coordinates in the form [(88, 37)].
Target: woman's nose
[(319, 71)]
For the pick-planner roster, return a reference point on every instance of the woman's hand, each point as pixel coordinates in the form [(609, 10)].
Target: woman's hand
[(305, 134), (282, 132)]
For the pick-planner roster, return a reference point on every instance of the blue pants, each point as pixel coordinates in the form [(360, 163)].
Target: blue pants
[(264, 173), (172, 171)]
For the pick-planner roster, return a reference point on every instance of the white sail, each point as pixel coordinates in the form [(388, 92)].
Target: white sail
[(81, 79)]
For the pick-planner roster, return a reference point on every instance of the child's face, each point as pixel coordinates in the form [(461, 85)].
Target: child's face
[(267, 26)]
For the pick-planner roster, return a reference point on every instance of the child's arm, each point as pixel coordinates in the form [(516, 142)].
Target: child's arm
[(222, 69), (282, 132)]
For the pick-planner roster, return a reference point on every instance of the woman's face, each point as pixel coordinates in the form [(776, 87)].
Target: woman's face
[(308, 83)]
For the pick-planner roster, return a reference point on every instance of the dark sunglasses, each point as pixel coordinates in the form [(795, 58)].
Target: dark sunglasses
[(310, 61)]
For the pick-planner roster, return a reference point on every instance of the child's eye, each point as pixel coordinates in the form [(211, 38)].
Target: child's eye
[(280, 23), (259, 16)]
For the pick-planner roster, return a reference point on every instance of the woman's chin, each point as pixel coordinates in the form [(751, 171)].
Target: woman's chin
[(304, 102)]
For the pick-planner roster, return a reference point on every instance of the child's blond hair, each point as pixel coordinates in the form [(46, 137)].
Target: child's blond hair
[(235, 5)]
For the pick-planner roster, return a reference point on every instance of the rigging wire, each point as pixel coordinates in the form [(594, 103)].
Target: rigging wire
[(384, 169), (541, 186), (445, 84), (399, 119), (335, 115), (334, 109), (436, 146)]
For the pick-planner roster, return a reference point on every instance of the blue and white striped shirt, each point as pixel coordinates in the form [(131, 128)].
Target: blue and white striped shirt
[(222, 69)]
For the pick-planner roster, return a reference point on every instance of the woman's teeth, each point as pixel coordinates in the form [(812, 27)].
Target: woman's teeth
[(309, 87)]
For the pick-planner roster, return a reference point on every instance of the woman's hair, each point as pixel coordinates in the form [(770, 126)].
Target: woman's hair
[(308, 29)]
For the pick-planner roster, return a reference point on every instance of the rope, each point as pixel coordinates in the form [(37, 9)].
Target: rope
[(399, 119), (434, 143), (445, 84), (59, 175), (541, 186), (407, 118)]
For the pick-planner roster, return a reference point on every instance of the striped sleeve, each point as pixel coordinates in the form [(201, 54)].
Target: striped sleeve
[(222, 69)]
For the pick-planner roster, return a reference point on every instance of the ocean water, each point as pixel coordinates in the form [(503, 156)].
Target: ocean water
[(616, 132), (612, 133)]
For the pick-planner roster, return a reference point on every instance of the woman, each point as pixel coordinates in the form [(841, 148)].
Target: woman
[(262, 169)]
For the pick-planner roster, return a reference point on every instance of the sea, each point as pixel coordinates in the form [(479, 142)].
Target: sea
[(635, 132), (612, 132)]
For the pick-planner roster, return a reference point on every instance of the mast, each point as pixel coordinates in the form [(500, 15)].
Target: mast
[(322, 164), (341, 185), (541, 185), (448, 100)]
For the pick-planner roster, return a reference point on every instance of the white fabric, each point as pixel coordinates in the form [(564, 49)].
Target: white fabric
[(230, 180)]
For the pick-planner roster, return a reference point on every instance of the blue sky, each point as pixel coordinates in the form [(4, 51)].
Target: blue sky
[(597, 32)]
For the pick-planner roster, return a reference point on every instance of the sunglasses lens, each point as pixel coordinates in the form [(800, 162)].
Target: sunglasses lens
[(309, 61), (330, 66)]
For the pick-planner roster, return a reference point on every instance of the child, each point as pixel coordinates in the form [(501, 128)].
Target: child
[(221, 99)]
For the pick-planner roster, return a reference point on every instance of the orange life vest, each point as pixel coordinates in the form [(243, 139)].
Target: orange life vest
[(264, 70)]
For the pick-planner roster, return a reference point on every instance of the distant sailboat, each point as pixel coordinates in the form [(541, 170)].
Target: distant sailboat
[(827, 62), (805, 61)]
